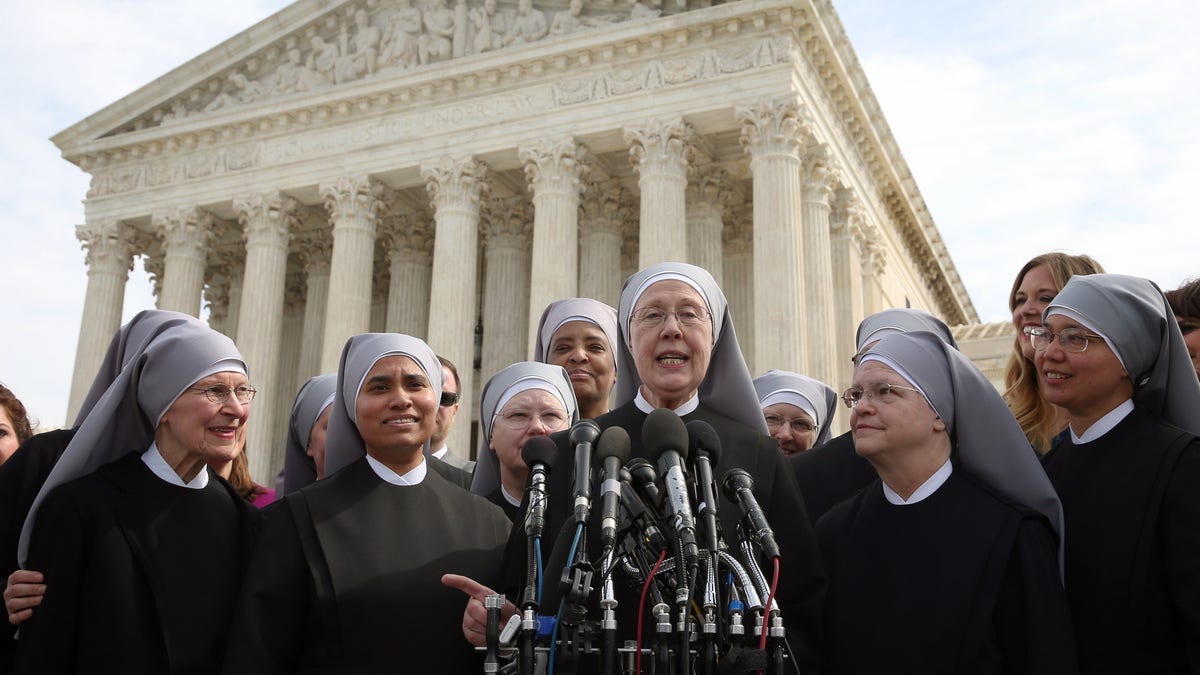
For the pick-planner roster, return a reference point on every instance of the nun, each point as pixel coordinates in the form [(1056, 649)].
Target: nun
[(346, 577), (304, 458), (949, 562), (524, 400), (1111, 354), (141, 543), (832, 471), (798, 409), (580, 334)]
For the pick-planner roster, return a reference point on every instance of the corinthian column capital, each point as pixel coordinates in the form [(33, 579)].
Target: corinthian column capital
[(606, 207), (185, 232), (266, 216), (354, 201), (661, 146), (738, 235), (710, 186), (106, 245), (771, 128), (555, 166), (506, 222), (818, 174), (456, 182)]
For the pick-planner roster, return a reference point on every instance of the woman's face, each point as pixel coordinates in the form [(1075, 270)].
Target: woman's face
[(891, 423), (1190, 327), (396, 407), (316, 441), (671, 358), (8, 436), (582, 349), (199, 427), (792, 426), (1087, 384), (1036, 291), (533, 412)]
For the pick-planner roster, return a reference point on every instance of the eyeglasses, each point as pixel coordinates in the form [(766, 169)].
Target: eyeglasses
[(517, 420), (1070, 339), (218, 393), (883, 392), (653, 317), (448, 399), (799, 425)]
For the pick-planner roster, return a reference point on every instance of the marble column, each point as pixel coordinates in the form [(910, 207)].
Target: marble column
[(772, 133), (315, 254), (555, 171), (846, 239), (354, 204), (630, 233), (410, 251), (707, 195), (819, 298), (456, 186), (507, 287), (109, 257), (224, 263), (268, 219), (661, 152), (186, 234), (738, 267), (285, 387), (874, 264), (606, 207), (380, 285), (236, 277)]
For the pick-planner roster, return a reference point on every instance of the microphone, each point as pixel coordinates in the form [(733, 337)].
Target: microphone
[(665, 437), (582, 436), (538, 453), (644, 479), (739, 487), (612, 450), (705, 448), (641, 517)]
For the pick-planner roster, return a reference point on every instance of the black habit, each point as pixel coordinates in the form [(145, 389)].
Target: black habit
[(830, 474), (1132, 511), (963, 581), (347, 578), (141, 575), (802, 578)]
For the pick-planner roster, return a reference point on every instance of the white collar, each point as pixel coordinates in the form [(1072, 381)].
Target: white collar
[(1104, 424), (153, 459), (385, 473), (441, 454), (684, 408), (509, 498), (927, 488)]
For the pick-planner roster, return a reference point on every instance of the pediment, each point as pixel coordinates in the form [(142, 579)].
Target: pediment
[(314, 47)]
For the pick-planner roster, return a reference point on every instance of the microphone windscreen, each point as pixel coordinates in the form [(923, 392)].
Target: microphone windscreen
[(539, 450), (663, 430), (584, 431), (642, 469), (703, 437), (736, 479), (614, 442)]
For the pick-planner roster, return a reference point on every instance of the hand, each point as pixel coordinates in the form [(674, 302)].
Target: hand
[(475, 615), (24, 592)]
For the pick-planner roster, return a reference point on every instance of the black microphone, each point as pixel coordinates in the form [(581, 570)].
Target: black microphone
[(538, 453), (612, 451), (739, 487), (583, 435), (665, 438), (645, 480), (640, 516), (705, 449)]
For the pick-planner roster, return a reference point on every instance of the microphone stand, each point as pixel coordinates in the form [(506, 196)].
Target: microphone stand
[(608, 621)]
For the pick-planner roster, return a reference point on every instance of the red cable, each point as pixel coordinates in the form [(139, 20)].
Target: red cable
[(642, 607), (762, 641)]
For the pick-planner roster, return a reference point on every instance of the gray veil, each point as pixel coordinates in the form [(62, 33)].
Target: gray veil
[(343, 444), (727, 387), (821, 396), (312, 399), (575, 309), (901, 320)]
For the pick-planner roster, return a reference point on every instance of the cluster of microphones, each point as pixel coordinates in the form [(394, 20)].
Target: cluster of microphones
[(704, 603)]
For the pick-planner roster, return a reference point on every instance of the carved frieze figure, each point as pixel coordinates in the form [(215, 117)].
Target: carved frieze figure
[(570, 20), (528, 26), (490, 27), (360, 54), (322, 60), (461, 28), (400, 44), (293, 75), (435, 44), (243, 91)]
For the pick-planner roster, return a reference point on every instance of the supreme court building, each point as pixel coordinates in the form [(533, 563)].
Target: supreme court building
[(446, 170)]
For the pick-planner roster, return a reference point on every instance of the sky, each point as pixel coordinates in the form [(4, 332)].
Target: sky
[(1029, 126)]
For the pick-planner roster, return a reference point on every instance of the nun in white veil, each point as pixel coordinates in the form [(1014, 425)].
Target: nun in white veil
[(798, 409), (580, 334)]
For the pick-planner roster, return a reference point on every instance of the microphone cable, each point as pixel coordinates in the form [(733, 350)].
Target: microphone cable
[(642, 608)]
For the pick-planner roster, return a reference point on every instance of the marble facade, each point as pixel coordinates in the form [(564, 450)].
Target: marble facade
[(447, 169)]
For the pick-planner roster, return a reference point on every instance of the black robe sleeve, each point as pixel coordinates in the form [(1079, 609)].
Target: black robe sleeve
[(1180, 531)]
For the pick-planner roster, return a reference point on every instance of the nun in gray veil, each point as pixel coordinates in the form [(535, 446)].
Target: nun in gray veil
[(580, 334), (524, 400), (132, 513), (798, 409), (831, 472), (677, 349), (304, 458), (949, 563), (341, 559), (1111, 354)]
